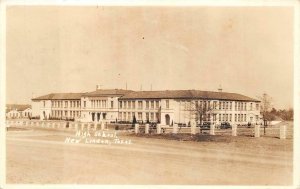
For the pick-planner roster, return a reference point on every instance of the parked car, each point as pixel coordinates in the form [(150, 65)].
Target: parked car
[(225, 125), (205, 125)]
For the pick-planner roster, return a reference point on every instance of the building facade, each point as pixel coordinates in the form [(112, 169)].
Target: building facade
[(16, 111), (184, 106), (165, 107)]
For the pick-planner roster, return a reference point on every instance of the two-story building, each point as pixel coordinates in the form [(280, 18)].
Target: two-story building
[(165, 107), (184, 106)]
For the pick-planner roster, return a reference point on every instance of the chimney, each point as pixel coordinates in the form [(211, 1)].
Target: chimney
[(220, 89)]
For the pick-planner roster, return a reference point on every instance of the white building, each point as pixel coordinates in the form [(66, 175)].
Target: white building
[(17, 111), (180, 106), (101, 104), (57, 106), (165, 107)]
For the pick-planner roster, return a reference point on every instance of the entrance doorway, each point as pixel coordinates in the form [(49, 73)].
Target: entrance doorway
[(167, 119)]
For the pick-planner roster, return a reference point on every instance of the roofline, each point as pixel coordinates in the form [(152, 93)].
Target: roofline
[(127, 98)]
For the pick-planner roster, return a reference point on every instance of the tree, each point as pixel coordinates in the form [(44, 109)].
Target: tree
[(198, 110), (265, 106), (133, 120)]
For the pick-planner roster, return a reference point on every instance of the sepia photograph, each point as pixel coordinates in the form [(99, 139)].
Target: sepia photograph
[(149, 95)]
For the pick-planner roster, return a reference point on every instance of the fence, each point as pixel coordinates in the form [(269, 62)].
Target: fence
[(282, 131), (66, 125)]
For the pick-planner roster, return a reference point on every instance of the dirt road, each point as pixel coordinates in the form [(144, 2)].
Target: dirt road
[(42, 157)]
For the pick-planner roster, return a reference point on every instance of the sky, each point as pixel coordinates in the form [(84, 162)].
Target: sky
[(246, 50)]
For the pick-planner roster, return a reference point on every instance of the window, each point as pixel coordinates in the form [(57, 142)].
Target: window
[(111, 104), (245, 117), (152, 104), (152, 116), (44, 103), (242, 117), (140, 104), (256, 117), (223, 117), (220, 106), (235, 105), (120, 104), (147, 104), (167, 104), (227, 106), (125, 104), (235, 117), (147, 116), (251, 106), (224, 106), (129, 116), (133, 104), (84, 103), (129, 104), (156, 104), (66, 104), (257, 106), (230, 117), (230, 106), (124, 115), (220, 117), (214, 117), (140, 115), (214, 105)]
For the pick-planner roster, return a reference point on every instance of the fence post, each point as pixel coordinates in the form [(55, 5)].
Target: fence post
[(136, 128), (158, 129), (257, 131), (193, 127), (234, 130), (147, 128), (175, 128), (102, 125), (212, 129), (282, 131)]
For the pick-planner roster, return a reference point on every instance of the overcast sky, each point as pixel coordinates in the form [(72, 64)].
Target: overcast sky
[(71, 49)]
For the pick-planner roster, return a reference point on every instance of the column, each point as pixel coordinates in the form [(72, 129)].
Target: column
[(257, 131), (234, 130), (102, 125), (193, 127), (136, 128), (158, 129), (147, 128), (175, 128), (212, 129), (282, 132)]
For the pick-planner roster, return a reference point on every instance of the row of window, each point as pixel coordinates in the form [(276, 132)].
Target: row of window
[(101, 103), (64, 104), (149, 104), (128, 116), (61, 113), (20, 114), (222, 105)]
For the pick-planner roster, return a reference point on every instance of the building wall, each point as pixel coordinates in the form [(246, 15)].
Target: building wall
[(97, 109)]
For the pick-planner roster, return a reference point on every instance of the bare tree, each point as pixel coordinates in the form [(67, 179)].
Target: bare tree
[(199, 110), (265, 107)]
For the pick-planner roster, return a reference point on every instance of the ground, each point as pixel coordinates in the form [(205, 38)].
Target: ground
[(41, 156)]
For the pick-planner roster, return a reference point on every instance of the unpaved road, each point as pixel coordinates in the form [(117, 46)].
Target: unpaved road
[(40, 156)]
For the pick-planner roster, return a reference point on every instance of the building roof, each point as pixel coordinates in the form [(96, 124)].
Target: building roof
[(107, 92), (18, 107), (187, 94), (60, 96)]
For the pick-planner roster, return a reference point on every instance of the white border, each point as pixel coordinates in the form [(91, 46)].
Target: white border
[(233, 3)]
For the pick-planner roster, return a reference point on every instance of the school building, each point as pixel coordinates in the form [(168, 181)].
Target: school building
[(166, 107)]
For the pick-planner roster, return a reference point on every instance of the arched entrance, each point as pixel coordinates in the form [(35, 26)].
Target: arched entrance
[(167, 117)]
